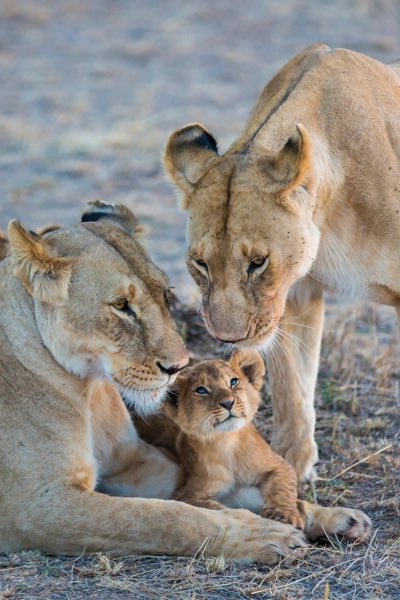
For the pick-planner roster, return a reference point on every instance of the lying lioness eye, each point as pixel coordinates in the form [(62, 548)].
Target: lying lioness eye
[(258, 264), (234, 381), (202, 391), (123, 306)]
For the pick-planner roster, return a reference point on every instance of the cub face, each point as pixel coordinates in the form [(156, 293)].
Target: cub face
[(100, 304), (217, 396)]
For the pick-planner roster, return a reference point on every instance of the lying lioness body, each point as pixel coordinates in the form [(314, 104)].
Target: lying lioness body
[(224, 461), (79, 306), (307, 198)]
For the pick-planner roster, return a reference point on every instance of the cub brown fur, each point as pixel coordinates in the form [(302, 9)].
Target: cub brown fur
[(207, 424)]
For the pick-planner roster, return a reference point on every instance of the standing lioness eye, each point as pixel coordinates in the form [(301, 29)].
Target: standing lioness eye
[(202, 391), (258, 264), (234, 381)]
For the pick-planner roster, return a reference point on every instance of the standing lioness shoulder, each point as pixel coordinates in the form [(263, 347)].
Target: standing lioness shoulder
[(307, 197)]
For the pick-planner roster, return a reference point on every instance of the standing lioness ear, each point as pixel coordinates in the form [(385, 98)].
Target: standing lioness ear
[(251, 364), (45, 276), (189, 153)]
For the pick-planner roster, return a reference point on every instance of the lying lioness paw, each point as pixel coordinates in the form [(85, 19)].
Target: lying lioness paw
[(207, 424)]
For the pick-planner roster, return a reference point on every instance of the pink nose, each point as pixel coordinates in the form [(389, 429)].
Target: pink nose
[(227, 404)]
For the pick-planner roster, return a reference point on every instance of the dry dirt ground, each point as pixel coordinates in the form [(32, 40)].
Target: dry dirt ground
[(90, 91)]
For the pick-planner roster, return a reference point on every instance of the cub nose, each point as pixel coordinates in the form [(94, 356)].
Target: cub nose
[(172, 369), (227, 404)]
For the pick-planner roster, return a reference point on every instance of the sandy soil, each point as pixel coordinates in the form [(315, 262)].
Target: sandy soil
[(91, 90)]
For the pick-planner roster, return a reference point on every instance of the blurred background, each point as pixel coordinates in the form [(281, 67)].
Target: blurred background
[(91, 89)]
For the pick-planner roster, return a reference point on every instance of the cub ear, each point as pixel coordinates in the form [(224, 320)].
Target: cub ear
[(291, 167), (119, 215), (189, 153), (251, 364), (44, 275)]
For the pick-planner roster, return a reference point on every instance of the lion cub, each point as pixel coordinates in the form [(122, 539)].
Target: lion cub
[(219, 448)]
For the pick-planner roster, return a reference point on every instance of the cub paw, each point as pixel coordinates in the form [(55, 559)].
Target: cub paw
[(346, 523), (292, 517), (353, 525)]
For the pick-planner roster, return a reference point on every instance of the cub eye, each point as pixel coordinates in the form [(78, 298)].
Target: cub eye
[(233, 382), (200, 266), (258, 264), (201, 391)]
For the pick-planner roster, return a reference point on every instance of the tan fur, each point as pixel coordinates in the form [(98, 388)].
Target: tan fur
[(74, 475), (223, 458), (311, 186)]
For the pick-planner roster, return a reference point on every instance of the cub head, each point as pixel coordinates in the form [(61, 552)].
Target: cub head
[(217, 396), (250, 226), (100, 304)]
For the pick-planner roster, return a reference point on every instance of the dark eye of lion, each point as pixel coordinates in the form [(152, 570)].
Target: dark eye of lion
[(122, 305), (233, 382), (201, 391), (201, 264), (256, 263)]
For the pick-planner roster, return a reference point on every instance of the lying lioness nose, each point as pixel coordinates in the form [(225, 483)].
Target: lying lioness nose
[(227, 404), (230, 341), (173, 368)]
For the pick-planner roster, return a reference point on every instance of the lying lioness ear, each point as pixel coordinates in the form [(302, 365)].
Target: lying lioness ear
[(188, 155), (45, 276), (291, 167), (251, 364), (119, 215)]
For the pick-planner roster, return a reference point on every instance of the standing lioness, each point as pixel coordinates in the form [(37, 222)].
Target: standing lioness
[(78, 306), (308, 197)]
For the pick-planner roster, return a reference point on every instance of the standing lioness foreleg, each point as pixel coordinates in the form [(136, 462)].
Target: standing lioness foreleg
[(293, 374)]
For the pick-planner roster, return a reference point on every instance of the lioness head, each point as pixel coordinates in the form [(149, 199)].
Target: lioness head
[(101, 305), (251, 231), (216, 395)]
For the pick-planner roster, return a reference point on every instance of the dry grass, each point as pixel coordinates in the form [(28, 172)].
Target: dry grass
[(357, 427)]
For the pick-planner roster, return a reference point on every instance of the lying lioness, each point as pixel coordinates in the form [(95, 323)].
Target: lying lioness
[(207, 424), (307, 198), (79, 306)]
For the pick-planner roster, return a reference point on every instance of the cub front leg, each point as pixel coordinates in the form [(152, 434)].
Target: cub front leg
[(279, 490), (293, 373), (202, 492)]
